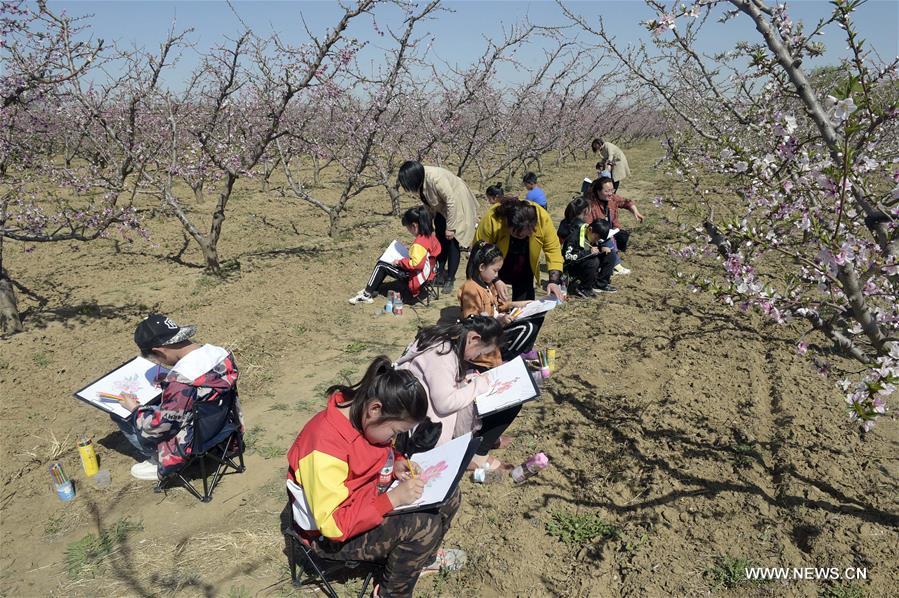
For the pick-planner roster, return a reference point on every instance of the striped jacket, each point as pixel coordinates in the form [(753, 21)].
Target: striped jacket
[(201, 375), (333, 477)]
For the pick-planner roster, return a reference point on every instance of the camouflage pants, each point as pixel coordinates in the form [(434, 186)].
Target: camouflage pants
[(404, 543)]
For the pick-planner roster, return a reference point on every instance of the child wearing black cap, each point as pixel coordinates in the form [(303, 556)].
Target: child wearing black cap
[(162, 432)]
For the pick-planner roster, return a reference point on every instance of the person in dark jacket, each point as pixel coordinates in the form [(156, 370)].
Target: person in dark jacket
[(589, 266), (575, 210)]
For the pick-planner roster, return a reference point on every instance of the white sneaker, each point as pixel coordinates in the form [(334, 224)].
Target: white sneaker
[(145, 471), (446, 559), (361, 297), (619, 269)]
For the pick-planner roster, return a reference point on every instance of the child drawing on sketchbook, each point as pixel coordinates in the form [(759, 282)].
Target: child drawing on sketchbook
[(479, 297), (163, 432), (442, 358), (333, 474), (417, 269)]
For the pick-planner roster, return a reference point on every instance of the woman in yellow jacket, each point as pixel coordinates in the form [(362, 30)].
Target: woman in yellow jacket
[(454, 208), (523, 230)]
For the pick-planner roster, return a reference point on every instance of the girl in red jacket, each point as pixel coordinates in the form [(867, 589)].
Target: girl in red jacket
[(338, 494), (418, 268)]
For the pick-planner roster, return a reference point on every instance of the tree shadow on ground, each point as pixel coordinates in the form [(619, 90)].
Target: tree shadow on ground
[(82, 313), (123, 564), (624, 424)]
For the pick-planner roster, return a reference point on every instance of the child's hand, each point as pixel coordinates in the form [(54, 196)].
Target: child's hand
[(407, 492), (129, 401), (606, 250), (504, 319), (404, 470), (594, 250)]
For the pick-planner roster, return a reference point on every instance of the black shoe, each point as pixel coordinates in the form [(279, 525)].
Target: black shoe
[(583, 293), (448, 286), (440, 278), (606, 288)]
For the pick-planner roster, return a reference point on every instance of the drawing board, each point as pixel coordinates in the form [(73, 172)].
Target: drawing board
[(510, 384), (137, 376), (394, 252), (441, 468)]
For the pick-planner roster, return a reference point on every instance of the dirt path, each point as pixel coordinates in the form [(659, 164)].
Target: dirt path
[(695, 433)]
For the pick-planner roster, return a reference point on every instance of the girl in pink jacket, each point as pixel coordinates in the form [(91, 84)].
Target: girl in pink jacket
[(440, 357)]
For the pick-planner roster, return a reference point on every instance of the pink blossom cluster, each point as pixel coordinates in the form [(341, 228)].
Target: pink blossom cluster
[(812, 179)]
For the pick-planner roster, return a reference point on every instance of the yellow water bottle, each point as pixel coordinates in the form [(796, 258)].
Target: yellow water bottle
[(88, 457)]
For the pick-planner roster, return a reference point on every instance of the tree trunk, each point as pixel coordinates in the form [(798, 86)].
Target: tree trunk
[(316, 171), (210, 243), (333, 221), (211, 255), (10, 321), (198, 192), (394, 200)]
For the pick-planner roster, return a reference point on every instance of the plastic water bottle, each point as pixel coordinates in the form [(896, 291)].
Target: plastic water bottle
[(88, 456), (388, 308), (397, 304), (564, 286), (385, 478), (530, 468)]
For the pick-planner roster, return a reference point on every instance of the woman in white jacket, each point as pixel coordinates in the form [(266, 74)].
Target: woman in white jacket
[(454, 208), (440, 357)]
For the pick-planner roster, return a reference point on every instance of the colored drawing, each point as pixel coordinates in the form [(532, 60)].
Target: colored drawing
[(137, 377), (433, 472), (438, 468), (510, 384)]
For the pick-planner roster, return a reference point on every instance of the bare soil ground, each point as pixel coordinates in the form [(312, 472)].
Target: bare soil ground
[(686, 439)]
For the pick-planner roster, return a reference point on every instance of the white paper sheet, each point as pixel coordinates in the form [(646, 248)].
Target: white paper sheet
[(536, 307), (439, 467), (511, 384), (136, 377), (612, 233), (394, 252)]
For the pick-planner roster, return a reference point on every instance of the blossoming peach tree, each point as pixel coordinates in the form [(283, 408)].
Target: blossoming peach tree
[(808, 159), (85, 191)]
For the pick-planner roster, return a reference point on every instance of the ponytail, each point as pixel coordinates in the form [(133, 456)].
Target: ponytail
[(422, 217), (575, 208), (455, 334), (495, 190), (401, 395)]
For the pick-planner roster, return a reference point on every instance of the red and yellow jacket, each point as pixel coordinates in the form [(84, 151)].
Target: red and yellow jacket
[(422, 261), (337, 471)]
